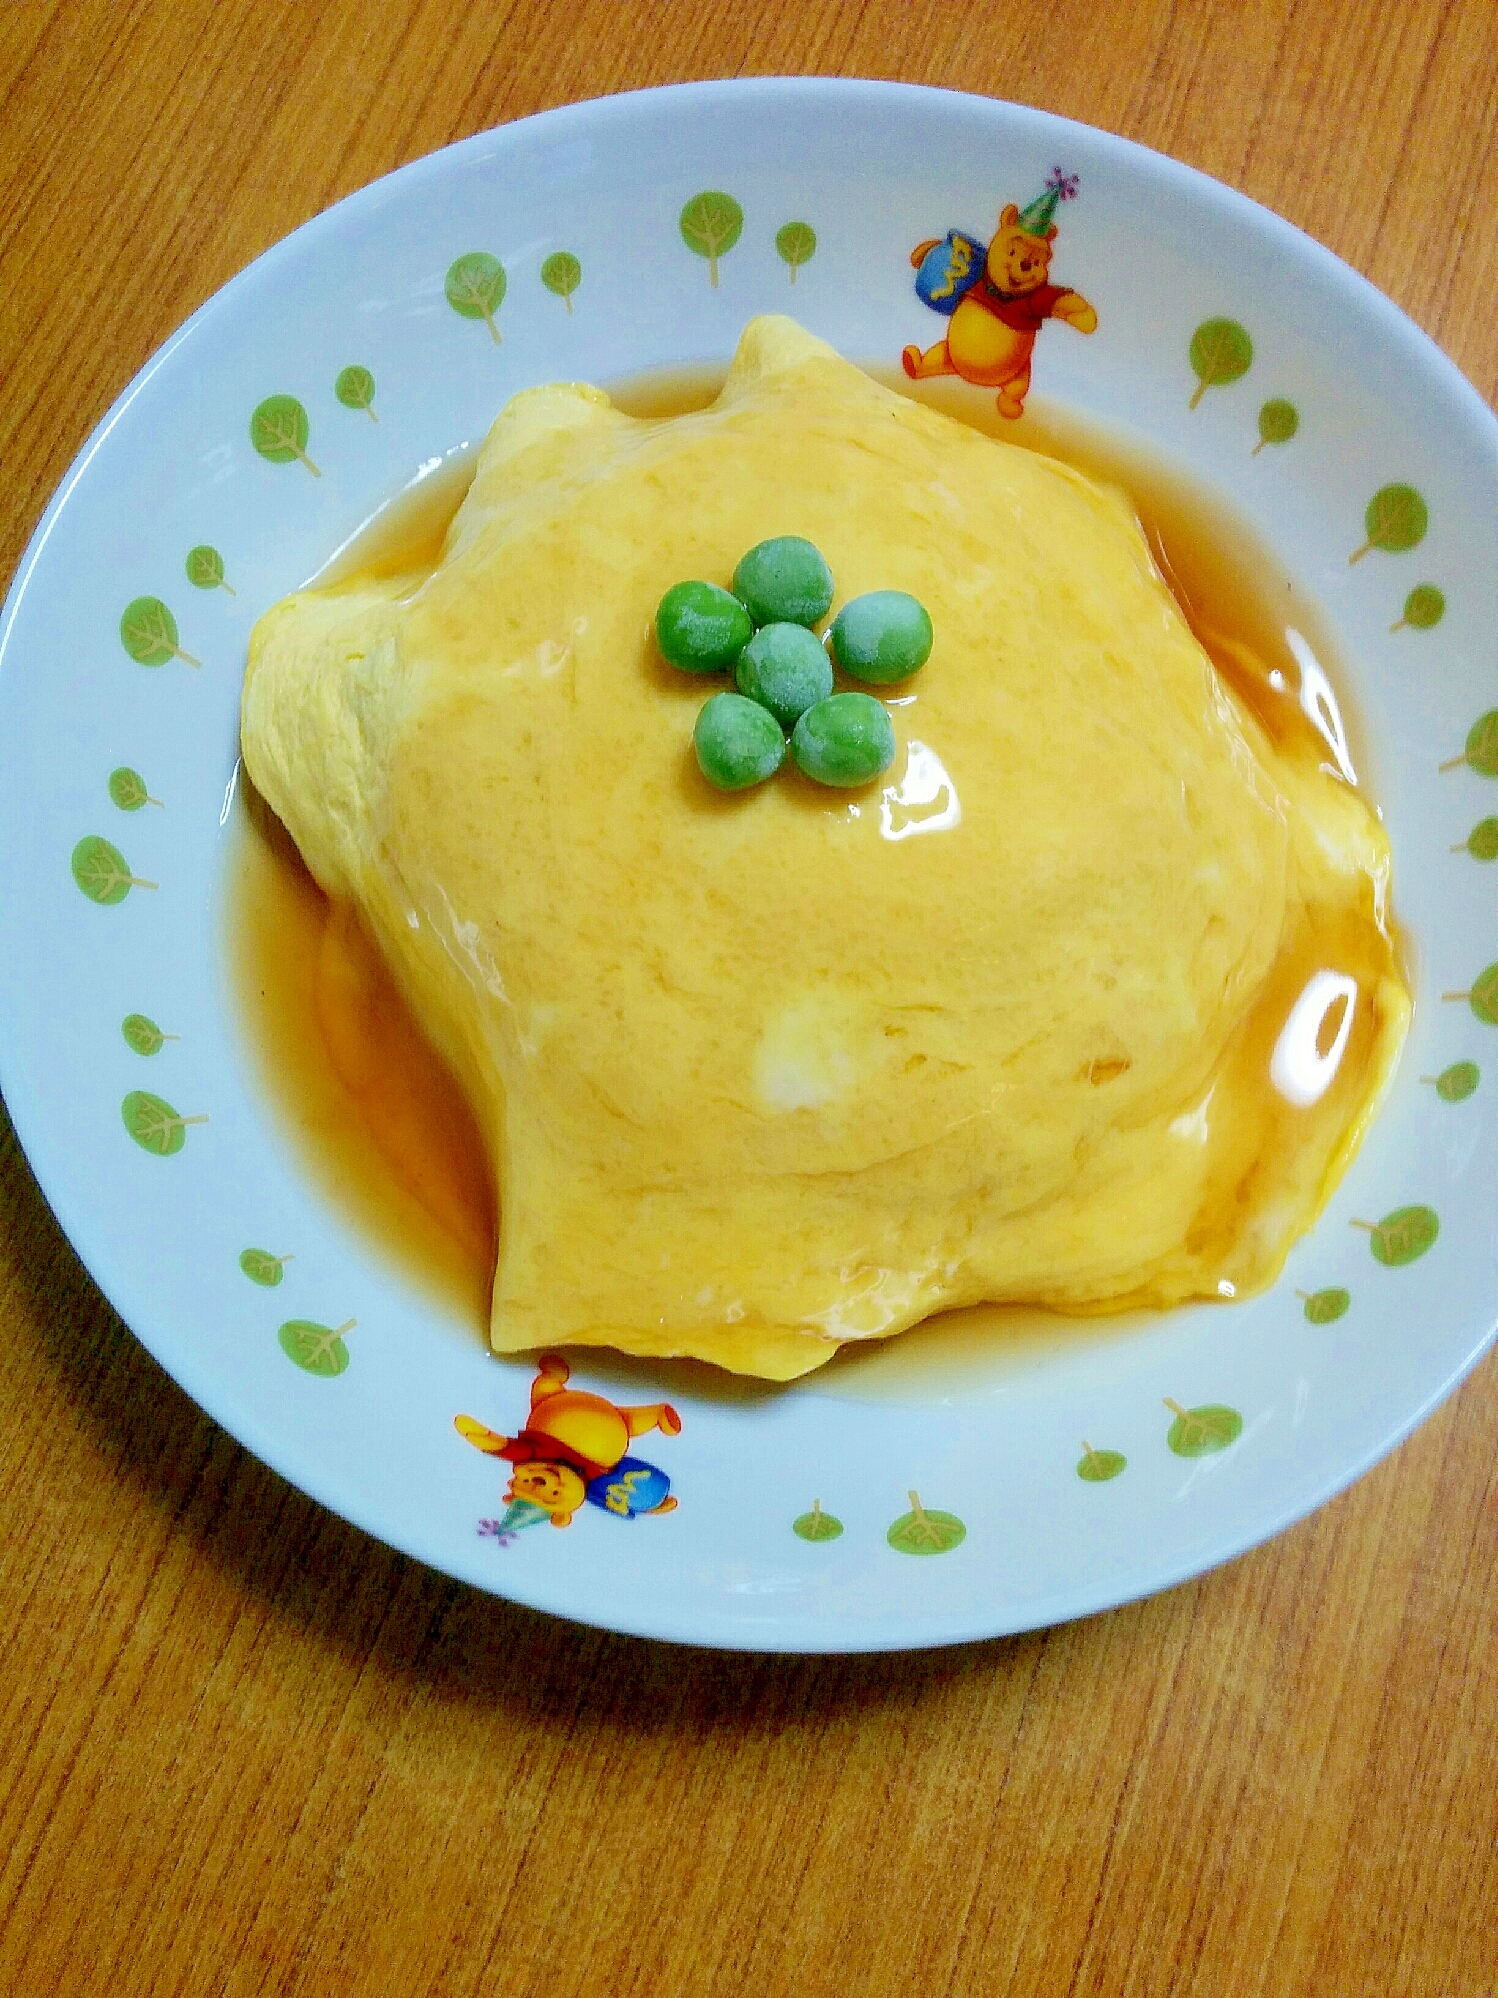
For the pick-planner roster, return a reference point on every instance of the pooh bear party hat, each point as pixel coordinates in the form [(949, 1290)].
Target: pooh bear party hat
[(1037, 219)]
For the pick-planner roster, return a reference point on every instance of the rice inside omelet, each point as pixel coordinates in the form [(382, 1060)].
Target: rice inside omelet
[(1035, 1017)]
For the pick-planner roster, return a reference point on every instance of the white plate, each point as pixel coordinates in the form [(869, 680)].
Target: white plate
[(996, 1442)]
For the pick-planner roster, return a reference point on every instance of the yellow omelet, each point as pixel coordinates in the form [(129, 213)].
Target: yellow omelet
[(1033, 1017)]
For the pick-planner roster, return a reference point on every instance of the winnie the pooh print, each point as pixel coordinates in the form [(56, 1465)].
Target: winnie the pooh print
[(572, 1450), (997, 298)]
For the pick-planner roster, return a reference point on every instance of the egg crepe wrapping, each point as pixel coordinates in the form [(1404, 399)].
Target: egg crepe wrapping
[(766, 1072)]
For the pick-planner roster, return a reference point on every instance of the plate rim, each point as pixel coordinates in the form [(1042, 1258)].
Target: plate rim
[(46, 1161)]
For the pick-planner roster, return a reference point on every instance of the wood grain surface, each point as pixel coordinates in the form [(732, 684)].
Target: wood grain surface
[(246, 1749)]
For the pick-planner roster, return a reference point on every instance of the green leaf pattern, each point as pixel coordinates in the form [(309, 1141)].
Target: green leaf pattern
[(921, 1532), (475, 287), (143, 1035), (711, 223), (1099, 1467), (1220, 352), (1278, 422), (1481, 750), (1201, 1432), (796, 244), (1424, 607), (1456, 1083), (1396, 520), (154, 1124), (1481, 842), (279, 431), (316, 1349), (205, 569), (1402, 1236), (127, 789), (816, 1524), (1325, 1307), (355, 389), (102, 871), (562, 273), (261, 1267), (1482, 997), (148, 632)]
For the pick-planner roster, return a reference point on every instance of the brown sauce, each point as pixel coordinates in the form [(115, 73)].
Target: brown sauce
[(374, 1112)]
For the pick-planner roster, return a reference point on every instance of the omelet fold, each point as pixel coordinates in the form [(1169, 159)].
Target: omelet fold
[(765, 1073)]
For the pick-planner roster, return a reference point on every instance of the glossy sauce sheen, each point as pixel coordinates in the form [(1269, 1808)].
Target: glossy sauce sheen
[(374, 1112)]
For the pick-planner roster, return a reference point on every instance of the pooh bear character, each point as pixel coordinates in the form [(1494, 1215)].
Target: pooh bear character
[(570, 1446), (998, 313)]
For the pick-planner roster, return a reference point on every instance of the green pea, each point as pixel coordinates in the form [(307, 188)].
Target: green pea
[(738, 742), (882, 636), (784, 581), (700, 628), (785, 668), (846, 739)]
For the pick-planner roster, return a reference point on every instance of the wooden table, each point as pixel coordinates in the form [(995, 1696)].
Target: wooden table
[(248, 1750)]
